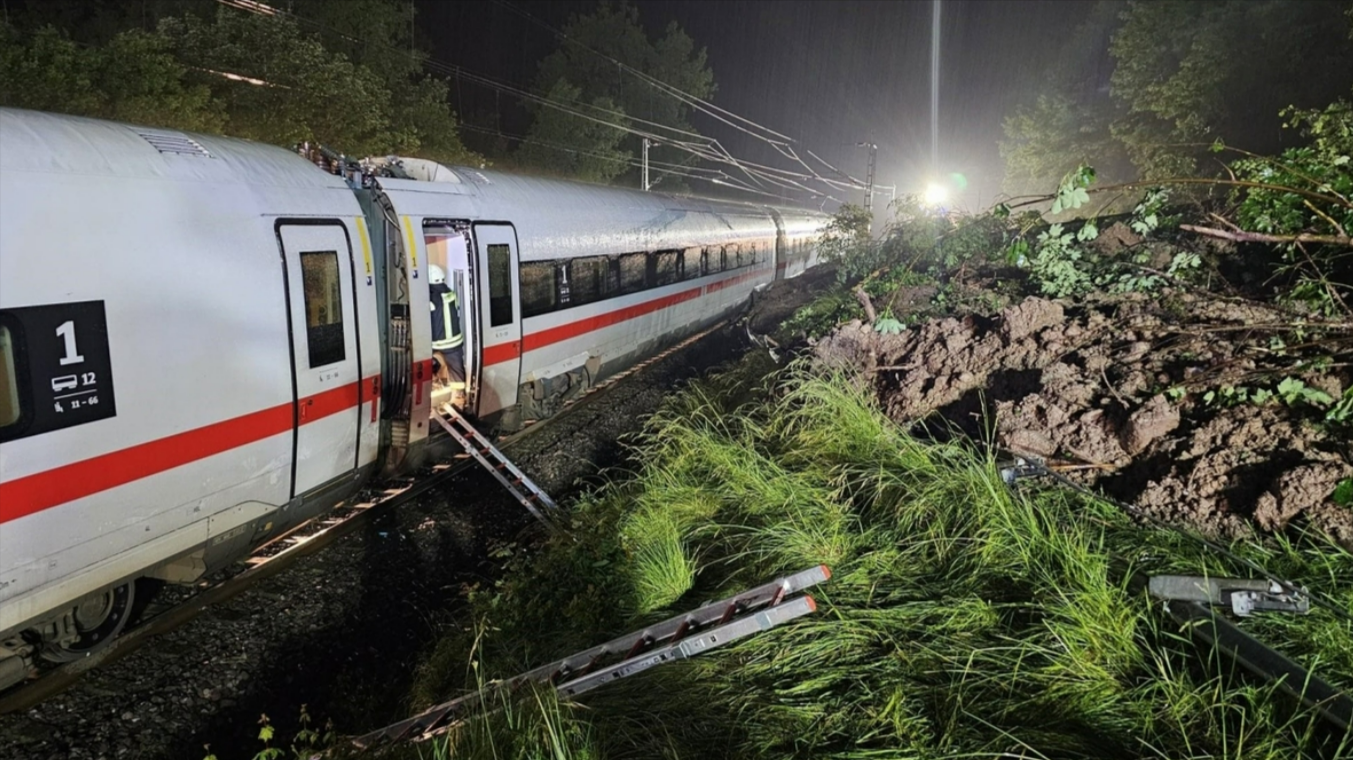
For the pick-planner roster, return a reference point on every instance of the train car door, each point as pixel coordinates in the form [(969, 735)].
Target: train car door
[(322, 306), (500, 316)]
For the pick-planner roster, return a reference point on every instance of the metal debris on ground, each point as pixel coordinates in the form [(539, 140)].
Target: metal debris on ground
[(1194, 601), (683, 636), (1243, 596)]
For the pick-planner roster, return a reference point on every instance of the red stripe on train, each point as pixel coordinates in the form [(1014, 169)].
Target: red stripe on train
[(552, 335), (721, 284), (43, 490), (504, 352)]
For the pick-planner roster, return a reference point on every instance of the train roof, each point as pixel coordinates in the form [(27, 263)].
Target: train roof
[(568, 218), (40, 142), (532, 189)]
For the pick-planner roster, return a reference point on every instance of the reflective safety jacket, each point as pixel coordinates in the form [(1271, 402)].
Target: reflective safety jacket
[(446, 332)]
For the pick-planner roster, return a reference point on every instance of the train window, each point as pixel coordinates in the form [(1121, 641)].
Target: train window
[(691, 263), (725, 262), (664, 267), (589, 279), (323, 307), (500, 284), (9, 380), (539, 288), (735, 256), (633, 267)]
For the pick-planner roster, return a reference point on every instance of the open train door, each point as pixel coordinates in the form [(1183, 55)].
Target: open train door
[(496, 260), (317, 260)]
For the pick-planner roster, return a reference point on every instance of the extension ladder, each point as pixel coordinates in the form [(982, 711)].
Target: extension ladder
[(527, 492), (677, 638)]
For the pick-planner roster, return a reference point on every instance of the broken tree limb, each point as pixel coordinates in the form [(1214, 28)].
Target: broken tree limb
[(868, 305), (1259, 237)]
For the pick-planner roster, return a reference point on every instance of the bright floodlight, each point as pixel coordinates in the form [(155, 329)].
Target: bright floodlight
[(936, 194)]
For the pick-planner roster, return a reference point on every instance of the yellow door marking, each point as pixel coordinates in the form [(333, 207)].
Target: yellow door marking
[(413, 247), (366, 247)]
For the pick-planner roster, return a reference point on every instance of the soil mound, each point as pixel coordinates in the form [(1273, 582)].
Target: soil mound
[(1102, 385)]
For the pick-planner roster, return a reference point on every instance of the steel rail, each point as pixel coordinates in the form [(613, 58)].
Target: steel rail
[(265, 562)]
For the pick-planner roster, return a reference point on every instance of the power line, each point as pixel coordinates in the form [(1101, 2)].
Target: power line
[(680, 170), (783, 144), (699, 145), (693, 100)]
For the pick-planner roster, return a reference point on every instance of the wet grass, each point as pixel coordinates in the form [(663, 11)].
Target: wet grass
[(962, 620)]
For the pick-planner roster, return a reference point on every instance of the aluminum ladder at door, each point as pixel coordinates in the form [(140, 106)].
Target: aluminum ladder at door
[(677, 638), (513, 479)]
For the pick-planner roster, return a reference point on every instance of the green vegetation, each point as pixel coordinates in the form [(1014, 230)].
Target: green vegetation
[(308, 742), (341, 72), (962, 619), (1179, 75), (576, 72), (846, 243)]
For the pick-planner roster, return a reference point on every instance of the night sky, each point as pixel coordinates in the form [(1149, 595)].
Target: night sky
[(829, 74)]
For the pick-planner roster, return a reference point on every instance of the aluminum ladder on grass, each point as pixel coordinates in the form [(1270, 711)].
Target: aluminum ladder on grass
[(513, 479), (677, 638)]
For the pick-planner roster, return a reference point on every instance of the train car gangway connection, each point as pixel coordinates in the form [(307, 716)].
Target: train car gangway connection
[(677, 638)]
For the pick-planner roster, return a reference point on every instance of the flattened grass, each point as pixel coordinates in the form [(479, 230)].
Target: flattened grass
[(962, 620)]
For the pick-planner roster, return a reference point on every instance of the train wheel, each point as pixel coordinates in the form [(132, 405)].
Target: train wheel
[(98, 619)]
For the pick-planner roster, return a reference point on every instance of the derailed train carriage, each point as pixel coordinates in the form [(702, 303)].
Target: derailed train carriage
[(205, 341)]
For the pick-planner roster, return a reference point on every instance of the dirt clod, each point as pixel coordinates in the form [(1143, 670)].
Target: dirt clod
[(1087, 383)]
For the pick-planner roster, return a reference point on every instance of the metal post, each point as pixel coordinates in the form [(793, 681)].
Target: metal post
[(646, 185), (869, 181)]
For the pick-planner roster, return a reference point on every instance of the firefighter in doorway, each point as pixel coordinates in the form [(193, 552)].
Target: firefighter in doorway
[(448, 342)]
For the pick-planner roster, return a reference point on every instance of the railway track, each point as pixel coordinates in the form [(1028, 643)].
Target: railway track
[(306, 539)]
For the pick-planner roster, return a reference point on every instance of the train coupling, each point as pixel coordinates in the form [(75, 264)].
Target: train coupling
[(16, 662)]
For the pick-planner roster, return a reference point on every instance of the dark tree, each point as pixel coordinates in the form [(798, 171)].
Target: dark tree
[(582, 71)]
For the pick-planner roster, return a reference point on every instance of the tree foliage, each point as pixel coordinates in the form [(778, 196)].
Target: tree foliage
[(583, 65), (198, 66), (555, 144), (1307, 192), (308, 93), (1051, 137), (135, 77), (1182, 73), (846, 242)]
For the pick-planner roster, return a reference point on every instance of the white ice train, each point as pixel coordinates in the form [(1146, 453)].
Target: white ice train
[(204, 340)]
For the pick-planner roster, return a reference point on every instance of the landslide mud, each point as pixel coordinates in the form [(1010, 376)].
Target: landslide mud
[(1089, 384)]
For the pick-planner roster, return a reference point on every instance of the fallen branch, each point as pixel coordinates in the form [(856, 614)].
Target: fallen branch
[(868, 305), (1259, 237), (1337, 200)]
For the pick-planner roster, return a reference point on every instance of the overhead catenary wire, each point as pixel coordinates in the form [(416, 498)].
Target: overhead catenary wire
[(783, 144), (693, 100), (676, 169), (702, 146)]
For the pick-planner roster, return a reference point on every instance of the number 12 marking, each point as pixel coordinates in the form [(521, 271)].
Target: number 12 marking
[(67, 332)]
